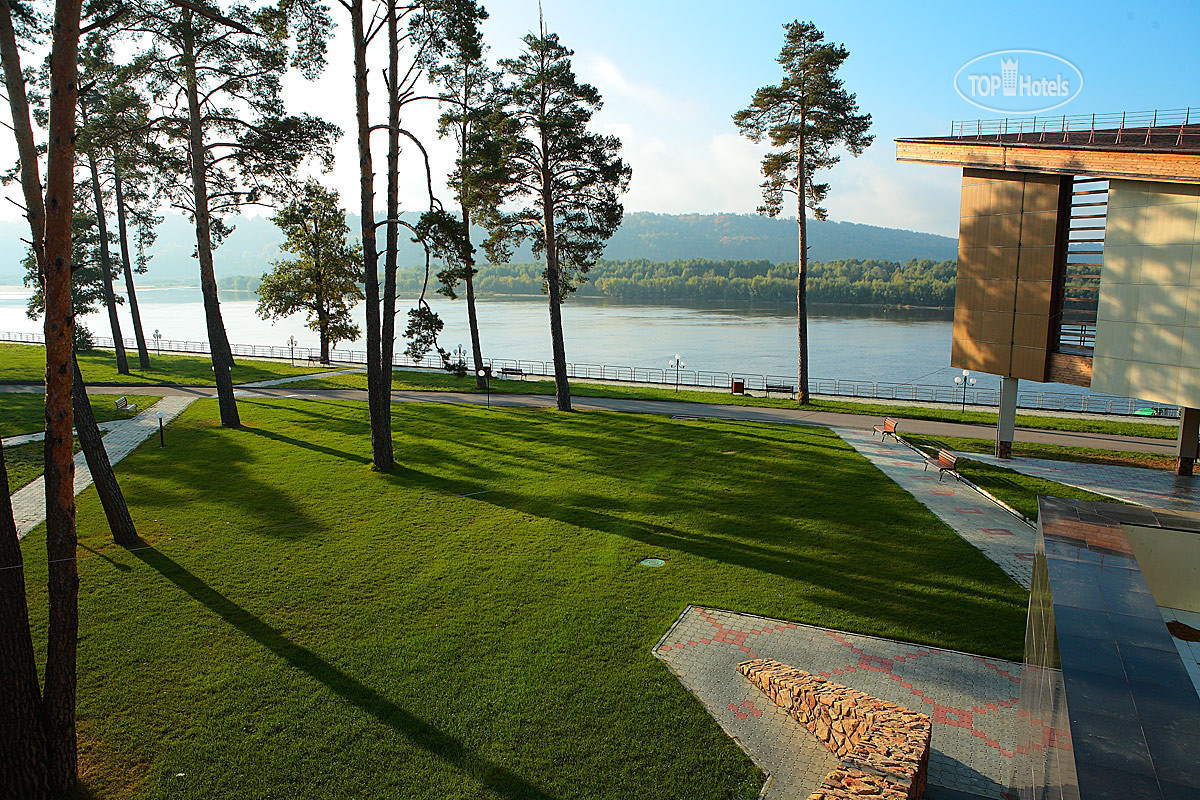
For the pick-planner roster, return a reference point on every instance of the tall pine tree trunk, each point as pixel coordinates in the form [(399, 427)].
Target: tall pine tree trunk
[(22, 737), (139, 333), (562, 388), (472, 318), (392, 229), (218, 342), (58, 697), (110, 298), (378, 398), (91, 442), (802, 279)]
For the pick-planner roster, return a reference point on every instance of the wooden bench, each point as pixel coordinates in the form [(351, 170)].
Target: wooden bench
[(945, 462), (123, 404), (782, 388), (512, 372), (888, 428), (315, 359)]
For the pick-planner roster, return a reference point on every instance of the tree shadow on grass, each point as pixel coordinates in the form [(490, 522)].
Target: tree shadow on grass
[(423, 735), (316, 448)]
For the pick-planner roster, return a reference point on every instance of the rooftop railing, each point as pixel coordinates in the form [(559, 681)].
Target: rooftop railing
[(1161, 127)]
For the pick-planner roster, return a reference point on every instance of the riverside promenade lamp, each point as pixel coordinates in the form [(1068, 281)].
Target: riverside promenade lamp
[(677, 364), (486, 374), (964, 381), (1079, 257)]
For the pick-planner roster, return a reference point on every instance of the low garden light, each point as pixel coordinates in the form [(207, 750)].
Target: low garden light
[(162, 442), (486, 374)]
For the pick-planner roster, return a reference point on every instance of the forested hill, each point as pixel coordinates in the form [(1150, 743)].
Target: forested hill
[(655, 237)]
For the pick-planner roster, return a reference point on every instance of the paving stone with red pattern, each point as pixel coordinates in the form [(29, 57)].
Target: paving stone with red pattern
[(971, 699)]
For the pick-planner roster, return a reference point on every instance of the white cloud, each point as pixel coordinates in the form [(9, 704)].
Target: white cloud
[(609, 79)]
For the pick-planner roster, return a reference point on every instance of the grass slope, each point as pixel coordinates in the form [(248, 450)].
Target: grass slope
[(22, 413), (476, 624), (22, 363), (25, 463), (441, 381)]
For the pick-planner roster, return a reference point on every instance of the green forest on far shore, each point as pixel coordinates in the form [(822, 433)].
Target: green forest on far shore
[(922, 282)]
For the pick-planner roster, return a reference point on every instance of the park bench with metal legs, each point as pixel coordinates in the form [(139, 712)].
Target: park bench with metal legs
[(512, 372), (888, 428), (123, 404), (945, 462), (781, 388)]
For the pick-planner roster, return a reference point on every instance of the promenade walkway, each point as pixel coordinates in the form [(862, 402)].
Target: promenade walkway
[(29, 502), (792, 416), (1155, 488)]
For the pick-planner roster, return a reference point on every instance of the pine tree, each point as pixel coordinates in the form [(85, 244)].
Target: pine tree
[(570, 177), (804, 117)]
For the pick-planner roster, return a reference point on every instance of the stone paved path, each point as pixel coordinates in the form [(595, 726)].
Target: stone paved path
[(971, 700), (1156, 488), (29, 502), (296, 378), (995, 532), (26, 438)]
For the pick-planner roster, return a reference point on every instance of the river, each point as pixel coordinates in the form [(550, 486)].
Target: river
[(846, 342)]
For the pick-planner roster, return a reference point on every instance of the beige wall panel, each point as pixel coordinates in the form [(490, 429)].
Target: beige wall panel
[(1160, 193), (1158, 344), (1161, 305), (1114, 339), (1189, 387), (1192, 314), (1174, 223), (1167, 265), (1122, 262), (1041, 195), (1157, 382), (1118, 302), (1124, 193), (1124, 225), (1110, 375)]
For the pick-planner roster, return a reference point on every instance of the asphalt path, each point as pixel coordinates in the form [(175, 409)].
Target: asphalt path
[(786, 416)]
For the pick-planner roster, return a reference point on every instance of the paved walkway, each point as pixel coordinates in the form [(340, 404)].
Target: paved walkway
[(971, 700), (26, 438), (1156, 488), (295, 378), (29, 502), (995, 532), (793, 416)]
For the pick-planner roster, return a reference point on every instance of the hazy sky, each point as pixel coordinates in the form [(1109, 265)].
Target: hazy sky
[(673, 73)]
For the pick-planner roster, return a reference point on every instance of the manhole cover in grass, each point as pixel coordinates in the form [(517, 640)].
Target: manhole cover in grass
[(652, 562)]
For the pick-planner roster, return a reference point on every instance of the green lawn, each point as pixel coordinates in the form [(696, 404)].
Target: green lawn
[(475, 625), (22, 363), (441, 381), (24, 463), (25, 412), (1054, 452)]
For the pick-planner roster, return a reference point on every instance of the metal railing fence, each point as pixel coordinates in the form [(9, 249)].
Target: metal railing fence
[(1083, 402)]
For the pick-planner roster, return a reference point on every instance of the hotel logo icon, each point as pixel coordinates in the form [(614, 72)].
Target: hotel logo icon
[(1022, 82), (1008, 76)]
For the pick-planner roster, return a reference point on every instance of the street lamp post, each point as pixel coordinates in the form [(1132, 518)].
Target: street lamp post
[(291, 342), (677, 364), (157, 342), (964, 381), (486, 374)]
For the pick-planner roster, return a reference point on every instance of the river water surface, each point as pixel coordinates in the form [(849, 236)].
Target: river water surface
[(847, 342)]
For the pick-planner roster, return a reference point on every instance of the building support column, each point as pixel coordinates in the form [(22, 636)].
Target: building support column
[(1006, 423), (1186, 447)]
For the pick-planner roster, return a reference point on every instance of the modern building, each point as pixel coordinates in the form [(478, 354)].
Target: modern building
[(1079, 257)]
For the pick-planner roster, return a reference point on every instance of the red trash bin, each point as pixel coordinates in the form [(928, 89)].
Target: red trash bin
[(738, 386)]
